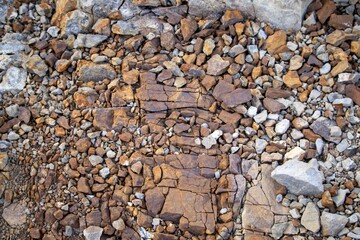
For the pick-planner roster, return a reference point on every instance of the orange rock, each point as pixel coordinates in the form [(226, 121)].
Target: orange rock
[(292, 80), (275, 41)]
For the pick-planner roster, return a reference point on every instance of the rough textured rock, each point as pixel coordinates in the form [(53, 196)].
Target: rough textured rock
[(300, 177), (14, 214), (332, 224), (89, 71), (14, 80), (311, 218)]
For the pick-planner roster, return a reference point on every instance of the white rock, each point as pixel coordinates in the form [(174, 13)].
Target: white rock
[(325, 69), (93, 233), (300, 178), (295, 213), (314, 94), (282, 126), (208, 141), (294, 153), (12, 136), (14, 80), (311, 218), (251, 112), (104, 172), (345, 102), (261, 117), (95, 160), (89, 40), (110, 154), (299, 108), (12, 110), (216, 134), (119, 224), (348, 164), (343, 145)]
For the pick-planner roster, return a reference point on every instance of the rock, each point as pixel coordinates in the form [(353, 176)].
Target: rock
[(83, 186), (237, 97), (300, 178), (340, 68), (295, 153), (339, 199), (327, 9), (119, 224), (337, 37), (231, 17), (95, 160), (260, 145), (76, 22), (292, 80), (14, 80), (89, 71), (322, 127), (188, 27), (93, 233), (355, 48), (332, 224), (273, 106), (296, 62), (277, 93), (4, 159), (217, 66), (352, 92), (167, 40), (325, 69), (282, 126), (204, 8), (275, 41), (261, 117), (89, 40), (147, 3), (14, 214), (125, 28), (63, 7), (311, 218), (349, 77), (341, 21), (209, 46), (37, 65)]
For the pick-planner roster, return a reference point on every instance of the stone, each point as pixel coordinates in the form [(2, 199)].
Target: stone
[(355, 48), (91, 72), (295, 153), (332, 224), (349, 77), (83, 186), (311, 218), (89, 40), (237, 97), (188, 27), (339, 199), (14, 80), (119, 224), (167, 40), (217, 66), (14, 214), (93, 233), (292, 80), (337, 37), (154, 200), (277, 93), (37, 65), (341, 21), (76, 22), (95, 160), (300, 178), (282, 126), (125, 28), (231, 17), (4, 159), (275, 41), (63, 7), (204, 8), (341, 67), (147, 3), (257, 218), (322, 127), (260, 145), (273, 106), (353, 92), (296, 62), (209, 46), (327, 9)]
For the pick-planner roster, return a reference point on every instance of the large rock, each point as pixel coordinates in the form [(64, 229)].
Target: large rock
[(14, 214), (14, 80), (76, 22), (300, 178), (89, 71), (332, 224)]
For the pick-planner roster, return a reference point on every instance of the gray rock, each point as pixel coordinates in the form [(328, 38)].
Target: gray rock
[(278, 229), (93, 233), (311, 218), (348, 77), (300, 178), (326, 68), (12, 110), (95, 160), (348, 164), (204, 8), (332, 224), (343, 145), (322, 127), (14, 214), (36, 65), (236, 50), (339, 199), (76, 22), (261, 117), (89, 40), (11, 43), (14, 80), (119, 224), (260, 145), (102, 9)]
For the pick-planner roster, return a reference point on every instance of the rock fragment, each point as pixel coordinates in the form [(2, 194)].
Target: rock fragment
[(332, 224)]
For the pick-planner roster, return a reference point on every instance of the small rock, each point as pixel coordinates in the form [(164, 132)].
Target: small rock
[(217, 66), (93, 233), (332, 224), (89, 40), (95, 160), (282, 126), (311, 218)]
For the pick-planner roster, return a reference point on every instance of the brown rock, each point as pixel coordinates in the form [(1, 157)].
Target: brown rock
[(337, 37), (327, 9), (326, 200), (188, 28), (273, 106), (277, 93), (355, 48), (93, 218), (275, 41), (310, 135), (292, 80), (167, 40), (229, 118), (353, 92), (154, 199), (217, 65), (71, 220), (341, 21), (147, 3), (341, 67), (102, 26), (63, 7), (231, 17), (144, 220), (131, 77), (24, 114), (83, 186), (237, 97), (122, 96), (35, 233)]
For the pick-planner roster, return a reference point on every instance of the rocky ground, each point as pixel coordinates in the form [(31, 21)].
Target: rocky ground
[(136, 120)]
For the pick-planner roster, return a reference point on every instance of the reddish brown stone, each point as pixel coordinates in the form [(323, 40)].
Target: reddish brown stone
[(327, 9), (273, 106), (341, 21), (353, 92)]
